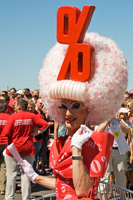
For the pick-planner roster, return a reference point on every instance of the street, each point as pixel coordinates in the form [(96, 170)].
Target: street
[(36, 191)]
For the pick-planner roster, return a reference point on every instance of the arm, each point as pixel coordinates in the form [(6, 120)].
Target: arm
[(40, 123), (124, 127), (26, 168), (102, 126), (131, 145), (55, 129), (131, 157), (81, 180), (45, 181), (37, 132)]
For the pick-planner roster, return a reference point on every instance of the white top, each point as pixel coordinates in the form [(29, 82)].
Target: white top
[(119, 140)]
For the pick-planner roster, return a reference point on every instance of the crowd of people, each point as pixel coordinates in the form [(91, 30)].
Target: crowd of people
[(30, 118), (34, 142), (120, 167), (82, 87)]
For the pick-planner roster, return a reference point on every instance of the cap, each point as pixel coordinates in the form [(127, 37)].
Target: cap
[(20, 92), (131, 92), (123, 110)]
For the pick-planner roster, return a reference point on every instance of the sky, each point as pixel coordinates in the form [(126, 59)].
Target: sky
[(28, 32)]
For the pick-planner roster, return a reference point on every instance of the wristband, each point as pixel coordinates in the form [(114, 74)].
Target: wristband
[(77, 157)]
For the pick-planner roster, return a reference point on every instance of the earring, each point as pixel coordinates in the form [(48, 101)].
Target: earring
[(86, 122)]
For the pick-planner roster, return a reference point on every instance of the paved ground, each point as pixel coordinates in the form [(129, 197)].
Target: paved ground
[(36, 191)]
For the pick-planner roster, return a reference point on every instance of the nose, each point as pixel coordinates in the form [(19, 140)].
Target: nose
[(29, 109), (68, 112)]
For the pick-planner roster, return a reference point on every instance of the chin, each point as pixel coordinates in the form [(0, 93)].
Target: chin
[(72, 127)]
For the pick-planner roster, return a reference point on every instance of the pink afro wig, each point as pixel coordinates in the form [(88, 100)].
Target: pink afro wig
[(104, 93)]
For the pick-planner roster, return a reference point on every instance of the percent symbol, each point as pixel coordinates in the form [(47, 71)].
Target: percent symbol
[(72, 25)]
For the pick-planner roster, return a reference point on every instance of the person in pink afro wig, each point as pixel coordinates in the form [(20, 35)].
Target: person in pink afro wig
[(104, 92), (80, 158)]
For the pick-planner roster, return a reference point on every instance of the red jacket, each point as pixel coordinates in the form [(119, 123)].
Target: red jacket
[(96, 153)]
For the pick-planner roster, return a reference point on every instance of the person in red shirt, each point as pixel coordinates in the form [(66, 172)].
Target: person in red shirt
[(3, 143), (10, 109), (18, 129), (12, 96)]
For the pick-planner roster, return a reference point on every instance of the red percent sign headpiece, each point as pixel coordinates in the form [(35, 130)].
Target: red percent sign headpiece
[(103, 93), (72, 25)]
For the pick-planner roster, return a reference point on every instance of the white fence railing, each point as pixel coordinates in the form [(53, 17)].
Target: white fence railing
[(113, 192), (45, 196), (106, 191)]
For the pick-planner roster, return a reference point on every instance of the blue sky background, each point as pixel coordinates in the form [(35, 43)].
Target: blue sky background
[(28, 31)]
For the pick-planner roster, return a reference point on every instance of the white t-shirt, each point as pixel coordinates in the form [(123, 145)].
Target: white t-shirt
[(119, 140)]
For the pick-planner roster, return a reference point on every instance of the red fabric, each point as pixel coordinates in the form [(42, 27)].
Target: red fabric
[(11, 101), (10, 110), (34, 140), (131, 115), (96, 153), (3, 120), (18, 129)]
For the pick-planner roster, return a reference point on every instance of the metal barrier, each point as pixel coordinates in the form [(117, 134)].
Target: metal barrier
[(109, 192), (49, 196), (114, 192)]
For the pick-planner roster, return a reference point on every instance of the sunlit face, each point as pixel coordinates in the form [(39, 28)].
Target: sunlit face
[(74, 114), (126, 97), (39, 104), (130, 107), (36, 92), (122, 116), (31, 108), (12, 93)]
